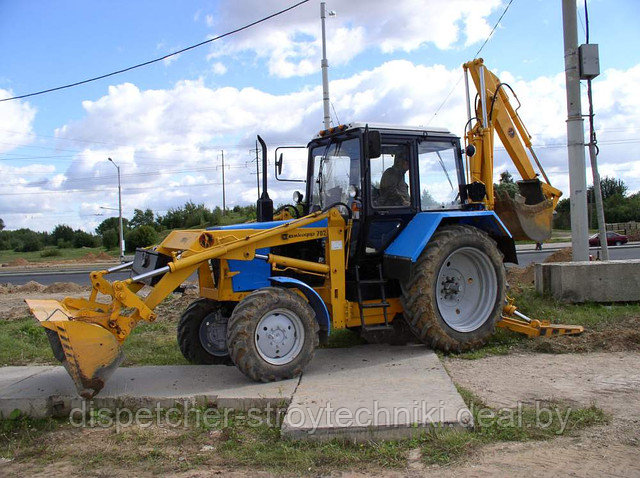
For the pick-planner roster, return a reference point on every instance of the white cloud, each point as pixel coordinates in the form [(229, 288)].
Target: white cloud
[(218, 68), (291, 42), (168, 142), (16, 122)]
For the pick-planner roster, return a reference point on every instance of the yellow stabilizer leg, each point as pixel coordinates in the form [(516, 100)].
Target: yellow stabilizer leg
[(518, 322), (91, 352)]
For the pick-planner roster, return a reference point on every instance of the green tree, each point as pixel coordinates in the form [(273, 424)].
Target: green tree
[(112, 223), (611, 187), (187, 216), (84, 239), (110, 238), (63, 235), (142, 218), (506, 186), (1, 224), (142, 236)]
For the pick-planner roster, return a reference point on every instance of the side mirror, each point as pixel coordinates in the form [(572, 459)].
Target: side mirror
[(374, 144), (297, 197), (295, 159), (279, 164)]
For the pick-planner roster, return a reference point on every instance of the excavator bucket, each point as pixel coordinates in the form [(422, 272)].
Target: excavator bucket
[(88, 351), (530, 215)]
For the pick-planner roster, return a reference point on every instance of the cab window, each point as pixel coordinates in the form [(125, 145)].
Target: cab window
[(390, 177)]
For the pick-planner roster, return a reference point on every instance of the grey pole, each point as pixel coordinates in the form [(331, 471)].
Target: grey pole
[(119, 212), (224, 201), (575, 135), (325, 73)]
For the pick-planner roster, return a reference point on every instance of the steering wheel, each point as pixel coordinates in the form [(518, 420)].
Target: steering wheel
[(349, 212), (294, 210)]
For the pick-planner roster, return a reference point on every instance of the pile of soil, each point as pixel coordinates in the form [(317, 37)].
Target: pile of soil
[(614, 336), (6, 288), (103, 256), (89, 257), (58, 287), (31, 286), (18, 262), (519, 277)]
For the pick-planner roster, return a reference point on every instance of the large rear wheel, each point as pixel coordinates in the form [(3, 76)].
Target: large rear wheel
[(272, 334), (457, 290)]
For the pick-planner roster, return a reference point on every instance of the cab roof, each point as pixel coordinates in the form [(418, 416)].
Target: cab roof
[(383, 127)]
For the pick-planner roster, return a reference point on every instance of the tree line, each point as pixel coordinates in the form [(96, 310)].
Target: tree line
[(143, 229)]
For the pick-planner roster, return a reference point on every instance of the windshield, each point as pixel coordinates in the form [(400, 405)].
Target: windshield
[(438, 175), (336, 166)]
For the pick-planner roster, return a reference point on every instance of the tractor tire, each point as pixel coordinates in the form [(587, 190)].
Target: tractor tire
[(456, 293), (272, 334), (202, 333)]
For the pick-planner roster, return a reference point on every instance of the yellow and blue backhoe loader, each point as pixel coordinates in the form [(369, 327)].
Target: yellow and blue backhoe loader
[(396, 238)]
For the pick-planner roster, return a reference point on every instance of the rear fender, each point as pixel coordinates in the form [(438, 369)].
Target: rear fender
[(404, 251), (315, 301)]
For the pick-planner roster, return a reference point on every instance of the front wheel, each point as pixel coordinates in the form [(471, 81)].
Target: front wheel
[(457, 290), (202, 333), (272, 334)]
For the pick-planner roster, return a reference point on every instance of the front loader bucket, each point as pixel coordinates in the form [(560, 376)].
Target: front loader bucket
[(530, 215), (88, 351)]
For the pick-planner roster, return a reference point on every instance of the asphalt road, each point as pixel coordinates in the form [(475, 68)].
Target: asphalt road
[(81, 276)]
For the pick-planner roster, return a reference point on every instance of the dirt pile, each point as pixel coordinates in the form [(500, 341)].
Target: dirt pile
[(18, 262), (58, 287), (519, 277), (89, 257), (613, 336), (36, 287), (31, 286), (103, 256)]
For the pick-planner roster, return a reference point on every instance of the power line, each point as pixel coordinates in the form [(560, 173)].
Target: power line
[(475, 56), (139, 65)]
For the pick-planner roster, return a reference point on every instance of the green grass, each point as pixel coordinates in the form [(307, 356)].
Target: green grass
[(19, 435), (444, 446), (43, 255), (343, 338), (23, 342), (153, 344), (250, 441)]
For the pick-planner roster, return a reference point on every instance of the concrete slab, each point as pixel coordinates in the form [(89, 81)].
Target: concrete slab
[(49, 391), (374, 392), (595, 281), (359, 393)]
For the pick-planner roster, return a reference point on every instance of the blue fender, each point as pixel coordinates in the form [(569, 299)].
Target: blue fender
[(315, 301), (404, 251)]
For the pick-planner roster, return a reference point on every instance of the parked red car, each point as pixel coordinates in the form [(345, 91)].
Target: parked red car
[(613, 239)]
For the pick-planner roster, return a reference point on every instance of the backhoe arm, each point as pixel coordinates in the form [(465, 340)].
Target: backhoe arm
[(495, 113)]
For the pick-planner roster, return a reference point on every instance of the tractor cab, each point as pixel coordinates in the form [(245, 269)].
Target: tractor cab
[(381, 176)]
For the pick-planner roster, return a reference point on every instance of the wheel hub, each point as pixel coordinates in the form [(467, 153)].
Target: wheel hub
[(213, 334), (279, 336), (467, 288)]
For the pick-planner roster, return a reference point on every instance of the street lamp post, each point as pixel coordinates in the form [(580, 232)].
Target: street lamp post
[(325, 67), (119, 212)]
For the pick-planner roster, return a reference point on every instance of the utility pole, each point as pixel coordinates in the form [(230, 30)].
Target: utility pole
[(325, 67), (119, 212), (575, 135), (257, 169), (224, 204)]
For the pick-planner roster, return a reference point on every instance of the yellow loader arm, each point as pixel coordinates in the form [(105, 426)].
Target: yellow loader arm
[(530, 215), (86, 335)]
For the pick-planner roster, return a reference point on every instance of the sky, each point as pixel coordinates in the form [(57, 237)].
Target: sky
[(167, 124)]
